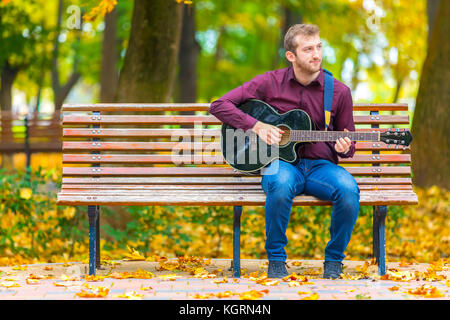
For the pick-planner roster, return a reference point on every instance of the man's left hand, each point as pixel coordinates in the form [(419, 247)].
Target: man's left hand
[(343, 144)]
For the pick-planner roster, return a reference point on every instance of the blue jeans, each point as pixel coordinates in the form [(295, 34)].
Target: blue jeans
[(320, 178)]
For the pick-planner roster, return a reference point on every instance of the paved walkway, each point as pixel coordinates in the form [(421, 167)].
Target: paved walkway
[(212, 280)]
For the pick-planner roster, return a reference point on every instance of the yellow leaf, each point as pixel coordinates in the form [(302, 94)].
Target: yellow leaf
[(169, 277), (202, 296), (133, 255), (224, 280), (66, 283), (20, 268), (394, 288), (132, 295), (225, 294), (295, 277), (31, 281), (69, 212), (252, 294), (93, 278), (93, 292), (146, 288), (9, 284), (25, 193), (314, 296)]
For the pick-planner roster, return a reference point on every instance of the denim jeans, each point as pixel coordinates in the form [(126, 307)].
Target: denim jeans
[(320, 178)]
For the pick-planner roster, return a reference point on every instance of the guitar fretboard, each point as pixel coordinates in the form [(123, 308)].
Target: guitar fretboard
[(307, 135)]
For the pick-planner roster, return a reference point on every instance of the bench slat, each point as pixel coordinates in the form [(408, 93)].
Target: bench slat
[(366, 198), (217, 159), (210, 181), (209, 171), (148, 107), (169, 146), (241, 187), (200, 119), (158, 132)]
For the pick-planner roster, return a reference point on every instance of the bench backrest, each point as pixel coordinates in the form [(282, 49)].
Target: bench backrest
[(39, 132), (129, 145)]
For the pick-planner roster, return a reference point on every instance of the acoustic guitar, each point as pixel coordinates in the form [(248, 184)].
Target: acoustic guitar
[(248, 153)]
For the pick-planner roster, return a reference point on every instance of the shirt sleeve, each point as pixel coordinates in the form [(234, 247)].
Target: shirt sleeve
[(344, 120), (225, 108)]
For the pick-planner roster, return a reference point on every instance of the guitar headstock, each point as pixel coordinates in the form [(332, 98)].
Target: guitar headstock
[(397, 137)]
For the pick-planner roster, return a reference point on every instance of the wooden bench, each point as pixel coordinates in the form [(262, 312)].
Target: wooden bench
[(30, 133), (130, 154)]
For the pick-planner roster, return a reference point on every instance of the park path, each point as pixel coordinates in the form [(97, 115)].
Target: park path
[(212, 279)]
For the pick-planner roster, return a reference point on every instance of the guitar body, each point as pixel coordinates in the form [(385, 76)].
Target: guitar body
[(236, 148)]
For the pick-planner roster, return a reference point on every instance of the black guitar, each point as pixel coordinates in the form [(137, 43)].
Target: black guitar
[(247, 152)]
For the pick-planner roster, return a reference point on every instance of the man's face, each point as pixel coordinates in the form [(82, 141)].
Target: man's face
[(308, 53)]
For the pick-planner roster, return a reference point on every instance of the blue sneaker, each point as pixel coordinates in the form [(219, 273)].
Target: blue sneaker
[(332, 269), (277, 269)]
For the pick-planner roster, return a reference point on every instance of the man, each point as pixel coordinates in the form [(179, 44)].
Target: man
[(316, 171)]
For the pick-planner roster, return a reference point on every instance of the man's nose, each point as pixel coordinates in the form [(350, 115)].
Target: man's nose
[(316, 52)]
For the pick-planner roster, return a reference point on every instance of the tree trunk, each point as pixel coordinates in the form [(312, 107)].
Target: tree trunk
[(8, 75), (290, 17), (109, 75), (150, 62), (61, 92), (398, 87), (186, 89), (430, 147), (432, 6)]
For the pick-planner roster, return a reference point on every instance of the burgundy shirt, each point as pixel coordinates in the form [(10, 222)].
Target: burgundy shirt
[(280, 89)]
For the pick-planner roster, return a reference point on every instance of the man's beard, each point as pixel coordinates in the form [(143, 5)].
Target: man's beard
[(307, 67)]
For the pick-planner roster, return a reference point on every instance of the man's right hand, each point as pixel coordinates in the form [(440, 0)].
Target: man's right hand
[(268, 133)]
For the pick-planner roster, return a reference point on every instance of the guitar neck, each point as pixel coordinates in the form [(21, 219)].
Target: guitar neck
[(316, 136)]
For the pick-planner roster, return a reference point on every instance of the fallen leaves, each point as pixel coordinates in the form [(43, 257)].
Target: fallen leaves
[(169, 277), (132, 295), (314, 296), (138, 274), (426, 292), (246, 295), (394, 288), (9, 284), (133, 255), (90, 291)]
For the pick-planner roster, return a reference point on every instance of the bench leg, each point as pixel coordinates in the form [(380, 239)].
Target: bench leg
[(236, 263), (93, 213), (97, 239), (379, 218)]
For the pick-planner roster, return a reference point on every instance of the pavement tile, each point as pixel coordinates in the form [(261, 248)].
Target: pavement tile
[(185, 287)]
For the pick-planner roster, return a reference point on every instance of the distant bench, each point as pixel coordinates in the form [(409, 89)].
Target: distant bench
[(30, 133), (130, 154)]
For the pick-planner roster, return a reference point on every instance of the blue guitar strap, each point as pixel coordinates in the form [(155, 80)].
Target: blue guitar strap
[(328, 96)]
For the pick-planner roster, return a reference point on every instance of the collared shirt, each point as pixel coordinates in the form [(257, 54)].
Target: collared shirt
[(280, 89)]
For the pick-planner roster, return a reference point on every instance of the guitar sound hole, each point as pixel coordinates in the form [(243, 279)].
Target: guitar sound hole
[(285, 137)]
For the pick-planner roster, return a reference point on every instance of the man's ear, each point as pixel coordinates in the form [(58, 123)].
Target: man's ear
[(290, 56)]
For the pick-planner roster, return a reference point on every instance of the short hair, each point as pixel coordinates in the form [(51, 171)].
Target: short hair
[(290, 43)]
